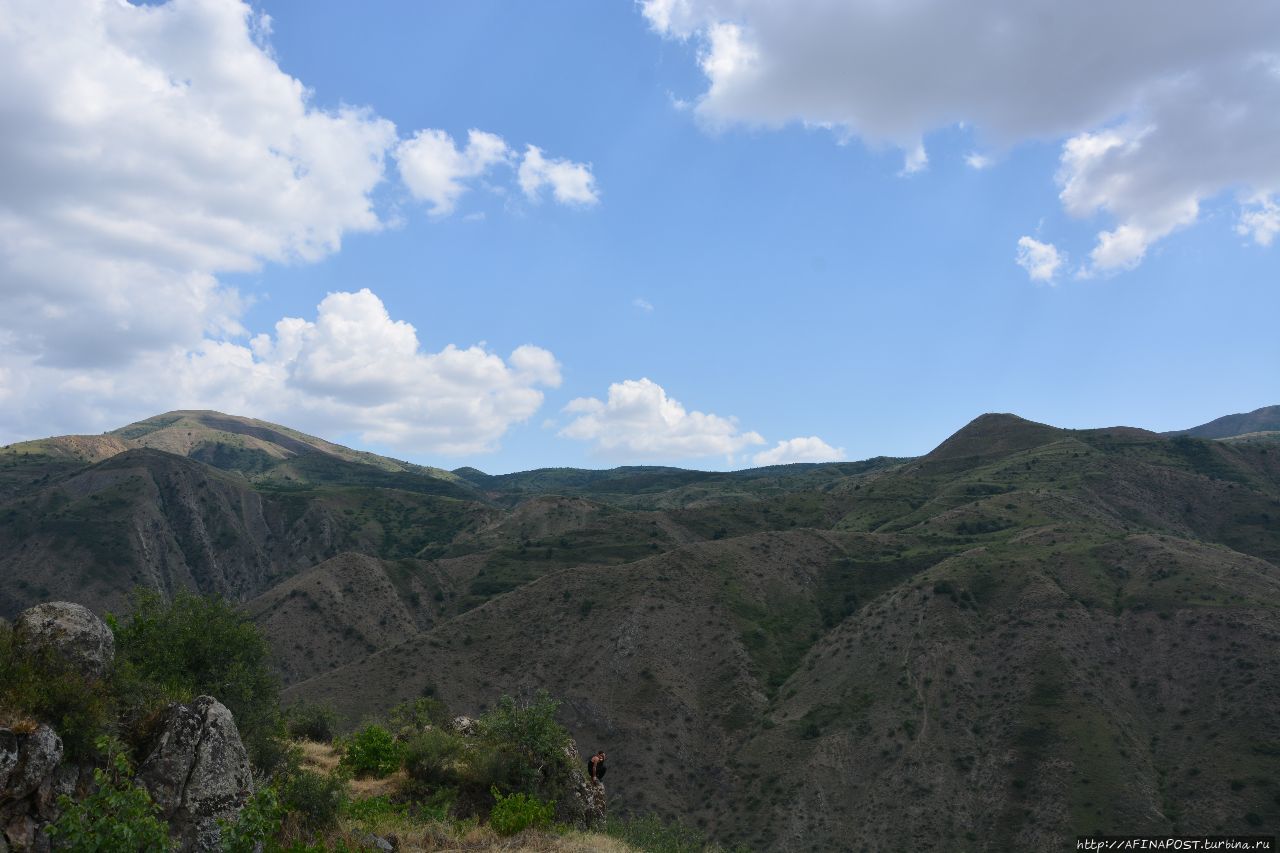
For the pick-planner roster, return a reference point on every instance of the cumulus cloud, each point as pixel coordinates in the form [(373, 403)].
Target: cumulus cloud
[(639, 421), (570, 182), (436, 171), (810, 449), (1170, 105), (351, 370), (1040, 260), (146, 149)]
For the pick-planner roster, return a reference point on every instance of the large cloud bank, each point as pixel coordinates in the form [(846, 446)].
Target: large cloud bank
[(145, 151), (1161, 106)]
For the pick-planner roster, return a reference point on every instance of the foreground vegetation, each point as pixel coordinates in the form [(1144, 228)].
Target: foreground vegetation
[(419, 775)]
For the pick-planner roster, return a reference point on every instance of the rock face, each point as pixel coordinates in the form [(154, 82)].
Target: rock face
[(198, 772), (583, 802), (70, 631), (32, 777)]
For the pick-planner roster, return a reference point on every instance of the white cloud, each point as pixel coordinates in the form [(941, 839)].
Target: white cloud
[(1261, 221), (1172, 103), (147, 150), (352, 370), (977, 161), (436, 171), (570, 182), (1040, 260), (810, 449), (915, 160), (144, 150), (643, 304), (639, 421)]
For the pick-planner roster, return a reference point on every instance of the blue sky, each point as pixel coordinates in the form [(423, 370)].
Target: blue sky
[(755, 245)]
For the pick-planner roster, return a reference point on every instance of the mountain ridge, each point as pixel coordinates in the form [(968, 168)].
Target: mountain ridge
[(1017, 638)]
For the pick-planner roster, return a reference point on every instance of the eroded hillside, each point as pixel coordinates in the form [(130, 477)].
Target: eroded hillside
[(1026, 634)]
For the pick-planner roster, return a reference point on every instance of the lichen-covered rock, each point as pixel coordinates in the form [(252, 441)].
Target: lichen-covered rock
[(198, 772), (70, 631), (38, 756), (31, 770), (8, 757)]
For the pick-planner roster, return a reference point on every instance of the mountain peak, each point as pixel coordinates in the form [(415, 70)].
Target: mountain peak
[(994, 434)]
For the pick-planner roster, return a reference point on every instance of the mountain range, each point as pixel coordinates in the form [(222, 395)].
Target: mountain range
[(1026, 634)]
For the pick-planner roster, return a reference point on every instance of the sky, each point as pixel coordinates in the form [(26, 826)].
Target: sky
[(708, 233)]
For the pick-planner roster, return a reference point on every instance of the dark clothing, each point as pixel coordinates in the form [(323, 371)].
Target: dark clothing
[(597, 769)]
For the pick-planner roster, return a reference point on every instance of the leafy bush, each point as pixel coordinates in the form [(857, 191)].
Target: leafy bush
[(433, 757), (316, 799), (256, 824), (519, 811), (373, 810), (119, 817), (44, 686), (312, 722), (411, 718), (526, 737), (203, 645), (372, 751)]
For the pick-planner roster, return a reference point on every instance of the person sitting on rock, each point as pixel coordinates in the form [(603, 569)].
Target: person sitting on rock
[(597, 766)]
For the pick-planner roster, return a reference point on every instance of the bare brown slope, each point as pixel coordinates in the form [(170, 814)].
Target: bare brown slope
[(330, 615), (659, 660), (146, 518)]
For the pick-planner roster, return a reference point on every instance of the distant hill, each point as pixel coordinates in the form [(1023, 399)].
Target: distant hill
[(1262, 420), (1027, 634)]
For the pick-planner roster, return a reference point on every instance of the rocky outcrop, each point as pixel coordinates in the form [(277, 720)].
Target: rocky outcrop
[(69, 631), (582, 803), (198, 772), (32, 777)]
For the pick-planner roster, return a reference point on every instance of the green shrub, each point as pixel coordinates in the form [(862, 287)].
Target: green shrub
[(42, 685), (197, 645), (257, 823), (373, 810), (527, 743), (434, 757), (317, 800), (494, 766), (516, 812), (312, 722), (119, 817), (412, 718), (371, 751)]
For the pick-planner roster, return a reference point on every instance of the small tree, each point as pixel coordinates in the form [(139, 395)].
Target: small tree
[(531, 744), (197, 645)]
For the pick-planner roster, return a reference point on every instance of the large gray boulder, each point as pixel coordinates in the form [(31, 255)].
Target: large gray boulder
[(69, 631), (198, 772)]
